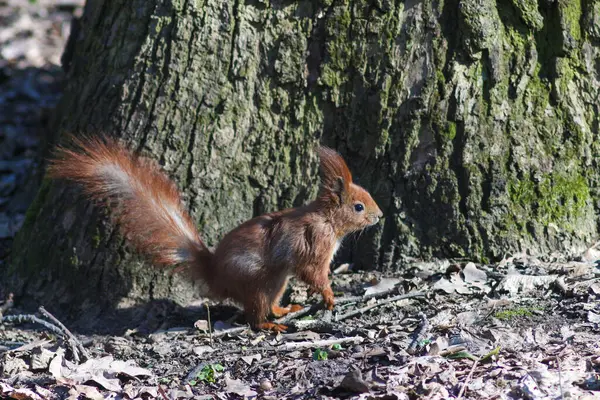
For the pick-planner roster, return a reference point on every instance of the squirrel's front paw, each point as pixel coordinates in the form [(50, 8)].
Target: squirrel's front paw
[(328, 298), (295, 307)]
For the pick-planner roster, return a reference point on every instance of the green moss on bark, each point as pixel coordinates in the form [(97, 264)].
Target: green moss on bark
[(571, 13), (528, 11), (558, 198)]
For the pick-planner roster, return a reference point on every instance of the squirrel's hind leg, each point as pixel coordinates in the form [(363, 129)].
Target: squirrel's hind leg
[(276, 309), (256, 309)]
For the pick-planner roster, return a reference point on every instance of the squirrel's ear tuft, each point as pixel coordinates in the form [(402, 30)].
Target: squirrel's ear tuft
[(339, 189), (335, 175)]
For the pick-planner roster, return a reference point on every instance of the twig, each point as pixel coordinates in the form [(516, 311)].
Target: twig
[(210, 330), (342, 300), (21, 318), (290, 346), (358, 299), (452, 350), (319, 343), (31, 345), (419, 334), (316, 325), (162, 392), (379, 304), (237, 329), (464, 386), (75, 344)]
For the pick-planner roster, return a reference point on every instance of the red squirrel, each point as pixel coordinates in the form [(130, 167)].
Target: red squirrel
[(252, 263)]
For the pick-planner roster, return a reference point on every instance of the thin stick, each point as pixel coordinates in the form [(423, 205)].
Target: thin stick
[(358, 299), (317, 325), (452, 350), (419, 335), (379, 304), (464, 386), (210, 330), (51, 327), (162, 392), (75, 343), (319, 343), (342, 300), (21, 318), (292, 346), (237, 329)]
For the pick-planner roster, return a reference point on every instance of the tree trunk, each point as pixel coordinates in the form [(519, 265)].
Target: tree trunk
[(471, 122)]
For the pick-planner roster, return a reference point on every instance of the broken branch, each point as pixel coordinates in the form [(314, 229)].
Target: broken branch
[(379, 304), (76, 346), (319, 343)]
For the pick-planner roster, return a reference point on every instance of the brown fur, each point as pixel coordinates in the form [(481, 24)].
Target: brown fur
[(253, 262)]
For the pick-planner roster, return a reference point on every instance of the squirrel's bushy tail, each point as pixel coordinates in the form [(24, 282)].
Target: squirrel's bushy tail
[(145, 202)]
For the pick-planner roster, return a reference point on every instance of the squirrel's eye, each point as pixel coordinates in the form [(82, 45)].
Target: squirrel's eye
[(359, 207)]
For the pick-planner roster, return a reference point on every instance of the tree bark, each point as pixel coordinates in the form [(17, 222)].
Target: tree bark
[(471, 122)]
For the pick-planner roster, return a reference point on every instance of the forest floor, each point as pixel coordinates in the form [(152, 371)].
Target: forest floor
[(521, 328)]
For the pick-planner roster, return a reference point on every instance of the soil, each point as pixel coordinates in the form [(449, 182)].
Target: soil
[(526, 327)]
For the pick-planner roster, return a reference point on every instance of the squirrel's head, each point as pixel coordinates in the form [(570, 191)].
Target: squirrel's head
[(352, 207)]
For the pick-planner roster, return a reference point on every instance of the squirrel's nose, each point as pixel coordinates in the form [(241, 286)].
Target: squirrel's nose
[(379, 214)]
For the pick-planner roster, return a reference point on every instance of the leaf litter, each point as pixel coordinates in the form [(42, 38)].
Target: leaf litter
[(529, 342)]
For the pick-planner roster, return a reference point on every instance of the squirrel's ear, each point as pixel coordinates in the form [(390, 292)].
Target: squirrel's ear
[(335, 175), (339, 188)]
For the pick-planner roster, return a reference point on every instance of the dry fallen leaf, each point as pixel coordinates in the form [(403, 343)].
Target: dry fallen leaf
[(199, 350), (354, 382), (88, 392), (40, 358), (472, 274), (103, 371), (454, 284), (45, 393), (202, 325), (381, 286), (12, 366), (250, 359), (593, 317), (24, 394), (516, 283), (238, 387), (145, 391), (6, 388)]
